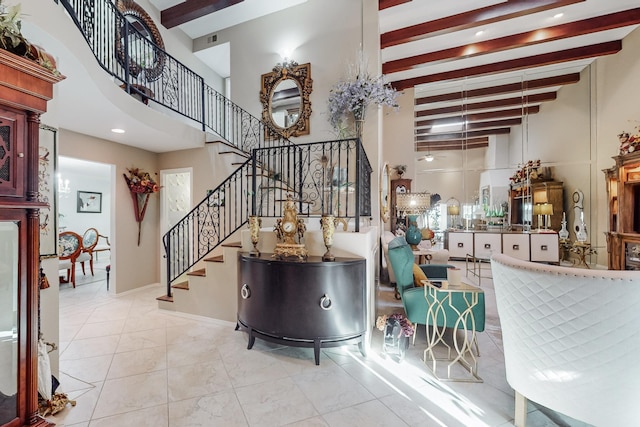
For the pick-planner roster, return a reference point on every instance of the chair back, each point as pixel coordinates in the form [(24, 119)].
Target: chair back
[(402, 260), (69, 245), (571, 338), (89, 239)]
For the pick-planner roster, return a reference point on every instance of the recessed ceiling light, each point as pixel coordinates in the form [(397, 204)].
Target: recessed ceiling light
[(558, 15), (479, 33), (116, 130)]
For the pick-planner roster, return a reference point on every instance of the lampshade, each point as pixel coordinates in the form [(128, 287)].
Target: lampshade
[(413, 203), (537, 209), (453, 210), (546, 209)]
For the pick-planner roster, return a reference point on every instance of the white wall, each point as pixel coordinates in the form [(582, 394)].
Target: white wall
[(95, 178)]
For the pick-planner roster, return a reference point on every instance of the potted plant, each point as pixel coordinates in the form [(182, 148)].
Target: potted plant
[(12, 40)]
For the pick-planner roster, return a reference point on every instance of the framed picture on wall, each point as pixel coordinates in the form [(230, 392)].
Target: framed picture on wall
[(89, 202), (47, 168), (486, 196)]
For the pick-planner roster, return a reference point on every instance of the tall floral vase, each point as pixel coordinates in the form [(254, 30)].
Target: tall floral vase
[(413, 234), (140, 202), (328, 226)]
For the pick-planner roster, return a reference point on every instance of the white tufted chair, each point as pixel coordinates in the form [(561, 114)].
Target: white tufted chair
[(571, 339)]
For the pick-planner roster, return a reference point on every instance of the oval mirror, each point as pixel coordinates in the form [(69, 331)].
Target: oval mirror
[(139, 45), (285, 101), (385, 192)]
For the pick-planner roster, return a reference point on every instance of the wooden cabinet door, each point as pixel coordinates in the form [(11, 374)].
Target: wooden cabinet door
[(12, 155)]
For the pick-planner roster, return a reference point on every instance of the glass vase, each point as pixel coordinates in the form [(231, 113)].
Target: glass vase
[(413, 234)]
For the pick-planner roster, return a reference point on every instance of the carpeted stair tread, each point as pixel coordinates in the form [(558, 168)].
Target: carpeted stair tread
[(218, 258), (165, 298)]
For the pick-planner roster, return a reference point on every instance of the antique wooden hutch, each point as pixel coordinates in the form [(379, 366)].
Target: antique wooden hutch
[(25, 88)]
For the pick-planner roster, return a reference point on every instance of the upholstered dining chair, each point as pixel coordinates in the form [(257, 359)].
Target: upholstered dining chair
[(69, 248), (89, 242)]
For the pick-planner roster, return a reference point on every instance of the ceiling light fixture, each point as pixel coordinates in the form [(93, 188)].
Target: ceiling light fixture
[(116, 130), (429, 157)]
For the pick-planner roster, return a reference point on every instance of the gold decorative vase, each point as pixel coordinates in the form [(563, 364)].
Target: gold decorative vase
[(328, 225), (254, 228)]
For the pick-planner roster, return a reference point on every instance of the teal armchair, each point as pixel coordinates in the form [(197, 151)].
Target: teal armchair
[(413, 298)]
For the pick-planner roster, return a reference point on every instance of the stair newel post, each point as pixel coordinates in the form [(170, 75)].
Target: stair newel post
[(299, 177), (358, 178), (167, 248), (254, 171)]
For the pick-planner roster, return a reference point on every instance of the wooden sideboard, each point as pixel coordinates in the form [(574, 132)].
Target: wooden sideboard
[(25, 88), (302, 303)]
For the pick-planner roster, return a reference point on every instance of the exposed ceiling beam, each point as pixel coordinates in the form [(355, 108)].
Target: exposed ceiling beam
[(492, 124), (470, 118), (453, 144), (577, 53), (496, 103), (385, 4), (462, 135), (500, 89), (558, 32), (473, 18), (192, 9)]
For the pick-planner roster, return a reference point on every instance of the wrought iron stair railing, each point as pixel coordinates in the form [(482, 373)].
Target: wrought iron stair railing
[(145, 69), (326, 178)]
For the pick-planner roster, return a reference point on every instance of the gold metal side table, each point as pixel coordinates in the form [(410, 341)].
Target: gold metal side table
[(583, 249), (463, 348)]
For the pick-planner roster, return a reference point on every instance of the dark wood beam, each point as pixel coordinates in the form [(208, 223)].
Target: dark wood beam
[(557, 57), (473, 18), (492, 124), (500, 89), (462, 135), (192, 9), (558, 32), (384, 4), (496, 103), (491, 115), (453, 144)]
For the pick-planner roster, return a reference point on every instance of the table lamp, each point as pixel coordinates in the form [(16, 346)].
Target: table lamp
[(537, 210), (546, 209)]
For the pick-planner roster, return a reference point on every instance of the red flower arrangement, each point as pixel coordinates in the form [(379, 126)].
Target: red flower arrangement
[(140, 185), (140, 182)]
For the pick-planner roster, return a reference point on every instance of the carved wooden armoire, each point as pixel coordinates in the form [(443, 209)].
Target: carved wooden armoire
[(25, 88)]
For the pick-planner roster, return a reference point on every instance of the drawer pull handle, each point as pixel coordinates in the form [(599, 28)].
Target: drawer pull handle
[(245, 293), (461, 245), (487, 245), (543, 247), (516, 247), (325, 302)]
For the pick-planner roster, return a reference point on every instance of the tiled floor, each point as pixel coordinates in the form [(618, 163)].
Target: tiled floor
[(127, 363)]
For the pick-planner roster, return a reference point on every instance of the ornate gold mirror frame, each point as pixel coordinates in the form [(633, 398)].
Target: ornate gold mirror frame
[(287, 118), (139, 50), (385, 192)]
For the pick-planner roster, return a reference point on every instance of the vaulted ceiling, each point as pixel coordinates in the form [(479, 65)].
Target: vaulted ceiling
[(477, 66)]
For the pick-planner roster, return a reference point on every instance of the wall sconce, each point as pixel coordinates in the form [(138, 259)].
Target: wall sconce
[(63, 186)]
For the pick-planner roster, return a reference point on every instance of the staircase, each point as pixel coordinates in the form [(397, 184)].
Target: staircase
[(329, 177)]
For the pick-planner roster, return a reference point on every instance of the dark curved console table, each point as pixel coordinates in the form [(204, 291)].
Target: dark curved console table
[(302, 303)]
